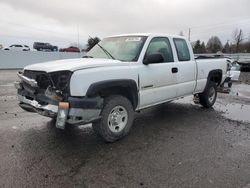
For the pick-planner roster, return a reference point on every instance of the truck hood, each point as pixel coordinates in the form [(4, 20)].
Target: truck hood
[(74, 64)]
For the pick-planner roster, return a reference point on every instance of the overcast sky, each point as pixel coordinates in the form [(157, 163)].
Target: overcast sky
[(59, 21)]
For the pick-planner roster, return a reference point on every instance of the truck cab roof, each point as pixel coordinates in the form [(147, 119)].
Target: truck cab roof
[(148, 35)]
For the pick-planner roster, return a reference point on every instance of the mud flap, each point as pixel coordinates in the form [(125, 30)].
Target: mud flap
[(196, 99)]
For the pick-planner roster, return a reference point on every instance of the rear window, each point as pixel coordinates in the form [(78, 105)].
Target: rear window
[(182, 49)]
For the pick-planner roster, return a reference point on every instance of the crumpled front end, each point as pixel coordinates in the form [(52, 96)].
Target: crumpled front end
[(48, 94)]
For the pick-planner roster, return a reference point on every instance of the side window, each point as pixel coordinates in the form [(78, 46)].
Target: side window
[(161, 45), (182, 49)]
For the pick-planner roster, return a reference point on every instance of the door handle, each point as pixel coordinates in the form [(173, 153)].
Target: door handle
[(174, 70)]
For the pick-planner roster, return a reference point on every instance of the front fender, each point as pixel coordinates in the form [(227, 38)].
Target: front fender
[(81, 80)]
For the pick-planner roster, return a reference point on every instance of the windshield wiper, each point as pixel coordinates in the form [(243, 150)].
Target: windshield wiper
[(87, 56), (103, 49)]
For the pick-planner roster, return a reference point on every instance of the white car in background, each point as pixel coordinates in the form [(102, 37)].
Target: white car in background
[(18, 47), (234, 72)]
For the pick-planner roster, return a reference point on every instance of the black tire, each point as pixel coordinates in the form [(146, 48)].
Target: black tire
[(103, 126), (207, 99)]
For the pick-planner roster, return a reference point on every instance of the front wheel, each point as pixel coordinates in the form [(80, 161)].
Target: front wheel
[(208, 97), (116, 118)]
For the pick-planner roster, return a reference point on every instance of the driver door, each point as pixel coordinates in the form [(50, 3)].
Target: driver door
[(158, 81)]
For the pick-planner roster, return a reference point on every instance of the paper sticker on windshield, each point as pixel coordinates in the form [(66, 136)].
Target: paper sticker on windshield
[(133, 39)]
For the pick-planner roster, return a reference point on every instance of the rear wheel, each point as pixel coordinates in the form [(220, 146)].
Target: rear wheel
[(116, 118), (208, 97)]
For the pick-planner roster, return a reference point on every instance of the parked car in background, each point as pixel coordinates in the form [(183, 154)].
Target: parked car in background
[(70, 49), (245, 66), (18, 47), (40, 46), (234, 72)]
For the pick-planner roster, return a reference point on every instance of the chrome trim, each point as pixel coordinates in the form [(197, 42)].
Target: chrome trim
[(29, 81), (147, 86), (36, 105)]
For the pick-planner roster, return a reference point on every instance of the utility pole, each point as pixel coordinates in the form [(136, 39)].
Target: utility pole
[(238, 40), (189, 33), (78, 36)]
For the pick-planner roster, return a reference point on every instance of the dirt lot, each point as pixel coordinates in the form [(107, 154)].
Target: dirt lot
[(245, 77), (178, 144)]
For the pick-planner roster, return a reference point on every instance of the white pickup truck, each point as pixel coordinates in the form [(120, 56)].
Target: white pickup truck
[(118, 77)]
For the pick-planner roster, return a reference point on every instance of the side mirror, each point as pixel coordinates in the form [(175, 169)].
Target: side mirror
[(153, 58)]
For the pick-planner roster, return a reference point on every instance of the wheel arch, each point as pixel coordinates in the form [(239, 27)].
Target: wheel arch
[(124, 87), (215, 76)]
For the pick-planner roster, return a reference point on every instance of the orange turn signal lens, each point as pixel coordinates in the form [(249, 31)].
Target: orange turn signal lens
[(63, 105)]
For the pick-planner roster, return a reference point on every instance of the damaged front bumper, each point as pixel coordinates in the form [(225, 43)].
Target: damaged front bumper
[(72, 110)]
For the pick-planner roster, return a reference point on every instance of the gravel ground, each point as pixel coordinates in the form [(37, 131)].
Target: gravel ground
[(245, 77), (178, 144)]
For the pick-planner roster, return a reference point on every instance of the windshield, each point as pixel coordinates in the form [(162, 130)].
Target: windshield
[(125, 48)]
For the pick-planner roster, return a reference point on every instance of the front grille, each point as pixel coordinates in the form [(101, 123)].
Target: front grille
[(41, 77)]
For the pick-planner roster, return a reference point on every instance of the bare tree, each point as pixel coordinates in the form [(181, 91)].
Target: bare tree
[(238, 38), (248, 44), (214, 45), (226, 48), (92, 42)]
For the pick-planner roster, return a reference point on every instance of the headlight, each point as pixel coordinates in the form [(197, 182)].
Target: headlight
[(61, 80)]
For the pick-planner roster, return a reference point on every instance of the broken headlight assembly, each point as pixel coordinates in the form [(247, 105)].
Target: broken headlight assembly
[(60, 85), (61, 80)]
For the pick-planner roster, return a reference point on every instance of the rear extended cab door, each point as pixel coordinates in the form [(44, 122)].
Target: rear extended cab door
[(187, 67)]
